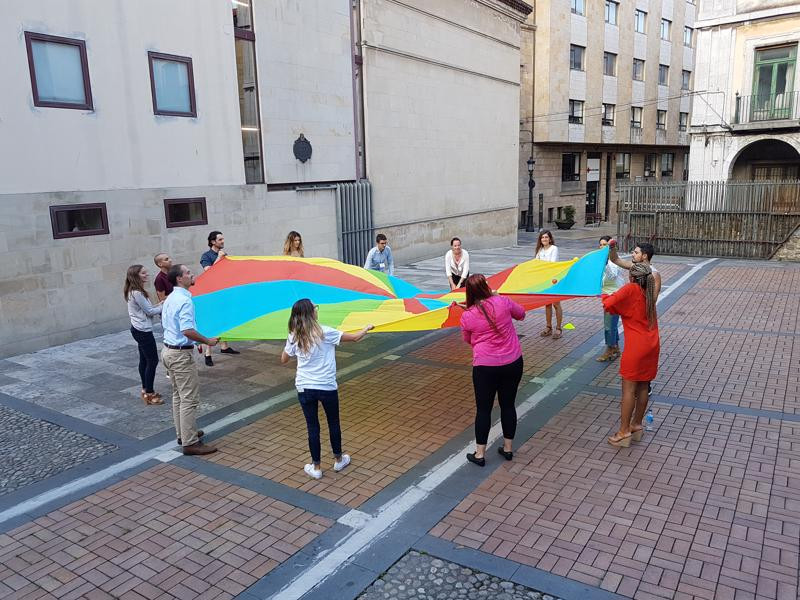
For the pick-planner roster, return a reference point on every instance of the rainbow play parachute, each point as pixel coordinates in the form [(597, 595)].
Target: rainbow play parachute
[(250, 297)]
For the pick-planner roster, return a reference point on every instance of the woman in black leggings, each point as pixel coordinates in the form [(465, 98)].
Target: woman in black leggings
[(487, 325), (141, 311)]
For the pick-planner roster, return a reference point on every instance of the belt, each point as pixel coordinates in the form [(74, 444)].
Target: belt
[(171, 347)]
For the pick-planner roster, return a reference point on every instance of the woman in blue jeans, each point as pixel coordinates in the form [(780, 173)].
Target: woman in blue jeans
[(314, 345)]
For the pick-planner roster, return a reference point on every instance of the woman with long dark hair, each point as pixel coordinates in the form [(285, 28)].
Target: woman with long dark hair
[(546, 249), (635, 302), (293, 246), (141, 311), (487, 325), (314, 345)]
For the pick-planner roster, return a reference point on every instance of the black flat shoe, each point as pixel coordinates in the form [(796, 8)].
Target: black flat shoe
[(481, 462), (504, 454), (229, 351)]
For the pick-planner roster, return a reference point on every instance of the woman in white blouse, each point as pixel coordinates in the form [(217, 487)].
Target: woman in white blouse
[(456, 264), (546, 249)]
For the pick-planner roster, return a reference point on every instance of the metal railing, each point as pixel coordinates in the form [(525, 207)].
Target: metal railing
[(766, 107), (709, 218)]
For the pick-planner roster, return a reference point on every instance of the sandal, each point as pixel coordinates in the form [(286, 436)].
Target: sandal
[(558, 333), (152, 399), (620, 442), (548, 331)]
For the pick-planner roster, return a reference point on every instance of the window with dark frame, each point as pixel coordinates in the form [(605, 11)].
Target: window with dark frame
[(571, 166), (661, 119), (608, 114), (247, 78), (185, 212), (576, 54), (612, 10), (172, 85), (683, 121), (59, 71), (650, 165), (609, 64), (577, 7), (639, 21), (666, 29), (78, 220), (638, 69), (636, 117), (688, 34), (623, 165), (685, 79), (663, 74), (576, 112), (667, 164)]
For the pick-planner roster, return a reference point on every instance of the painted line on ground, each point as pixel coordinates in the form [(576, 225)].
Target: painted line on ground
[(329, 561)]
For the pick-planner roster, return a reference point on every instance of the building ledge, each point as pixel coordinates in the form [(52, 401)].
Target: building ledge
[(772, 125)]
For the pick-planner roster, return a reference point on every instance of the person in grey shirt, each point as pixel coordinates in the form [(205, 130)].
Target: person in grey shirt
[(380, 257), (141, 311)]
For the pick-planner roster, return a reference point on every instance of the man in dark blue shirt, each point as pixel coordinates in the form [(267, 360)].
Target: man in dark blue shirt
[(215, 253)]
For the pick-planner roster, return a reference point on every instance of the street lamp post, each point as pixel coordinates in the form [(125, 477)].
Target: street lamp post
[(531, 185)]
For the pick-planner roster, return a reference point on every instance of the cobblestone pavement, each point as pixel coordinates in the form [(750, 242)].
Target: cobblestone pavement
[(33, 450), (424, 577)]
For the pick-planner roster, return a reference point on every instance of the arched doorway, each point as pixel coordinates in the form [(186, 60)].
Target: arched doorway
[(766, 160)]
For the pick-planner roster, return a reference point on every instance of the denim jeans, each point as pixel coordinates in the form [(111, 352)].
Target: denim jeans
[(148, 357), (611, 326), (309, 402)]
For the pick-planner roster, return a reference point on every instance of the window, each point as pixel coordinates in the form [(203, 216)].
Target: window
[(638, 69), (688, 32), (550, 214), (636, 116), (245, 41), (59, 71), (685, 77), (663, 74), (76, 220), (172, 85), (576, 57), (576, 111), (184, 212), (667, 163), (685, 166), (650, 165), (773, 83), (609, 64), (571, 167), (639, 21), (608, 114), (578, 7), (683, 121), (661, 119), (666, 29), (560, 213), (623, 165), (612, 10)]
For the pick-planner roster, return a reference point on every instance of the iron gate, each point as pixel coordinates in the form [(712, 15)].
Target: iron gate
[(354, 221)]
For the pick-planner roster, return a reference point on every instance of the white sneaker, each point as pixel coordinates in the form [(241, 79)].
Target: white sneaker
[(345, 460), (312, 472)]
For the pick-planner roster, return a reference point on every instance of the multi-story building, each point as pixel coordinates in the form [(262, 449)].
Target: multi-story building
[(746, 120), (610, 100), (131, 128)]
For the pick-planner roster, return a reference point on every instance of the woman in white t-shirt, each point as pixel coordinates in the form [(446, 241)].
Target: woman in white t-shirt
[(546, 249), (456, 264), (314, 345)]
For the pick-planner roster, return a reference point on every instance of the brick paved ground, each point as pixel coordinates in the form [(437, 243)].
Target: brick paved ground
[(165, 533)]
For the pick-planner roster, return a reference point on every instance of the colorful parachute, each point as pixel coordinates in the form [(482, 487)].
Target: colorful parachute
[(250, 297)]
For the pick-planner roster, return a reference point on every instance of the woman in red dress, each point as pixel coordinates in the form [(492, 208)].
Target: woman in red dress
[(635, 302)]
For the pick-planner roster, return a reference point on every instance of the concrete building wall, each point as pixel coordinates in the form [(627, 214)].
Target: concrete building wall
[(441, 97), (121, 144)]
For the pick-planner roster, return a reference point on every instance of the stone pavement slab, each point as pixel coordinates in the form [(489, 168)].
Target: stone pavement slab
[(164, 533)]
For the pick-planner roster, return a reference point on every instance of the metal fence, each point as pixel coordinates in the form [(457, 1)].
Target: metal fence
[(709, 218), (354, 221), (766, 107)]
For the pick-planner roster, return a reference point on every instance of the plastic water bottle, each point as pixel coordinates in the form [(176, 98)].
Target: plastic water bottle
[(648, 420)]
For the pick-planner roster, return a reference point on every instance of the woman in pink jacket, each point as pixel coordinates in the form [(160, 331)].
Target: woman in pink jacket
[(496, 362)]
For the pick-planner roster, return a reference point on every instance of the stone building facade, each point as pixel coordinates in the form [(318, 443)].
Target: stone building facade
[(746, 123), (610, 101), (131, 128)]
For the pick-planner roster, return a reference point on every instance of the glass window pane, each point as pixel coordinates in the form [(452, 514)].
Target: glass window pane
[(248, 109), (784, 53), (59, 72), (171, 80)]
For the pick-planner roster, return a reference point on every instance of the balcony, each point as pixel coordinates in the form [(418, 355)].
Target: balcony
[(767, 111)]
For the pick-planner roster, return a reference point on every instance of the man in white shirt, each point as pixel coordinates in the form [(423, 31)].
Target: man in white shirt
[(456, 264), (180, 330), (613, 279)]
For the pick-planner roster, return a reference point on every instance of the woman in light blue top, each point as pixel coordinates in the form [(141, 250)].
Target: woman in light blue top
[(141, 311)]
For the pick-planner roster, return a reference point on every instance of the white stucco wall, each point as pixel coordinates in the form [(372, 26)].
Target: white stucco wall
[(442, 117), (306, 86), (121, 144)]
